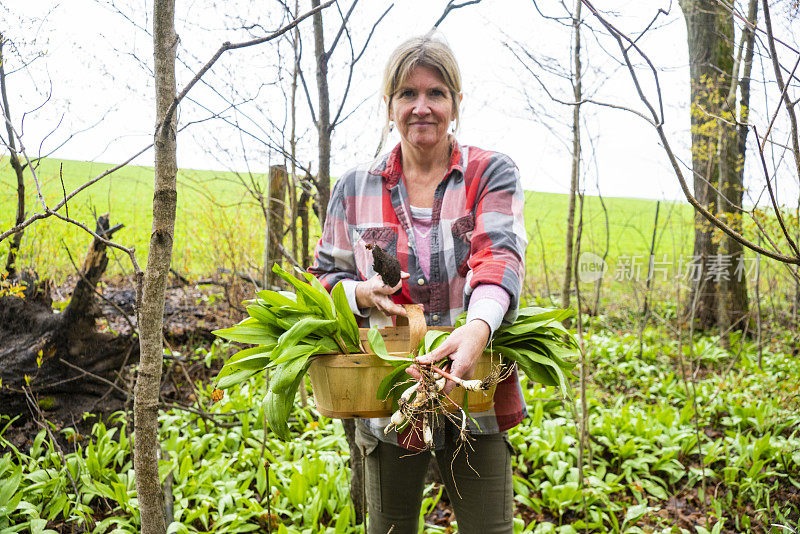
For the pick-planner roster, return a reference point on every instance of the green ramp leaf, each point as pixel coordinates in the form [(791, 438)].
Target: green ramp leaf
[(344, 316), (379, 347)]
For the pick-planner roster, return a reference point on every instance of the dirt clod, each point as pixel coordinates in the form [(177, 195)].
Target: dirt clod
[(385, 265)]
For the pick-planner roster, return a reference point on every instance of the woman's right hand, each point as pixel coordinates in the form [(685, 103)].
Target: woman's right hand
[(373, 293)]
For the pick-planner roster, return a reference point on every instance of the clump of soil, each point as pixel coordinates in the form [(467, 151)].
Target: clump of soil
[(385, 265)]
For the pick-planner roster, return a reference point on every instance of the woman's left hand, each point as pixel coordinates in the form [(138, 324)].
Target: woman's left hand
[(463, 346)]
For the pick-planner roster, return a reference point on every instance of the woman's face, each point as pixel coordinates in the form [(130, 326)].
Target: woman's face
[(422, 108)]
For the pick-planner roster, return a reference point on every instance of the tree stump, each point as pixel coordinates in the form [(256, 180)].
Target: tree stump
[(60, 361)]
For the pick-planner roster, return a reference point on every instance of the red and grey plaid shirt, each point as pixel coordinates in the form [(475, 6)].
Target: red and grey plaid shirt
[(478, 237)]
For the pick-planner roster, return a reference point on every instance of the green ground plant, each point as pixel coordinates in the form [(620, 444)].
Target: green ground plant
[(650, 454)]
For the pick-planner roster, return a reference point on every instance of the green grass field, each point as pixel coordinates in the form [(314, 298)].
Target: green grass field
[(215, 215), (220, 225)]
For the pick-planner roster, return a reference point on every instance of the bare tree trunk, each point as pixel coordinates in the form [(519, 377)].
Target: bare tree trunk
[(739, 302), (277, 194), (599, 283), (795, 136), (583, 433), (151, 311), (576, 156), (648, 282), (732, 302), (293, 134), (323, 196), (13, 250), (710, 39), (302, 211), (323, 120)]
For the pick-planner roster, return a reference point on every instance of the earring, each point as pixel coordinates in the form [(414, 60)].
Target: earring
[(391, 126)]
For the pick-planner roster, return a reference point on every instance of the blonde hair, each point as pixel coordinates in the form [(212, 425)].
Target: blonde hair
[(423, 51)]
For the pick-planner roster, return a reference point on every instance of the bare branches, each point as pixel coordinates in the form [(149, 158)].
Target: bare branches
[(655, 18), (353, 60), (573, 102), (47, 211), (784, 98), (96, 377), (15, 164), (342, 28), (374, 27), (753, 26), (4, 96), (565, 20), (452, 5), (779, 78), (775, 207), (235, 46), (308, 98), (21, 223), (129, 251), (658, 124)]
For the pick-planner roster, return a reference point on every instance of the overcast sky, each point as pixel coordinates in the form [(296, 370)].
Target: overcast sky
[(98, 56)]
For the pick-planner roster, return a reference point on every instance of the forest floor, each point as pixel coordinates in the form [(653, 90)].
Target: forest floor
[(683, 437)]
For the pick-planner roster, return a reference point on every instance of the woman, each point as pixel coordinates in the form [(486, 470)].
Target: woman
[(453, 217)]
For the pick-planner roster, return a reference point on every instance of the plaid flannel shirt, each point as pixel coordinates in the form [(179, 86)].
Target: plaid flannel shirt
[(478, 237)]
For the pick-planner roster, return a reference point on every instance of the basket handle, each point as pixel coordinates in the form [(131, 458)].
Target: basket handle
[(415, 319)]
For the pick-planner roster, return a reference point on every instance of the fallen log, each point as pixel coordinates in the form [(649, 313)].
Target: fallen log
[(60, 359)]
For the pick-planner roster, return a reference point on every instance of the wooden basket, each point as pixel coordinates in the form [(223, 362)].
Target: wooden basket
[(345, 385)]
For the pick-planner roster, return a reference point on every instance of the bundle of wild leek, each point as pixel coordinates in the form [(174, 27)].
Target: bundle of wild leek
[(537, 342), (289, 328)]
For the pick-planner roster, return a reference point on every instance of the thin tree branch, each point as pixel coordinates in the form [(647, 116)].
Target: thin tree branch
[(775, 207), (779, 79), (353, 60), (308, 97), (374, 27), (233, 46), (451, 5), (341, 28), (573, 103), (782, 99), (107, 242), (96, 377), (96, 292), (565, 21), (647, 28)]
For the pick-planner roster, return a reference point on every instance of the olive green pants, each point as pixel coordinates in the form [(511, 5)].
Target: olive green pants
[(478, 483)]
